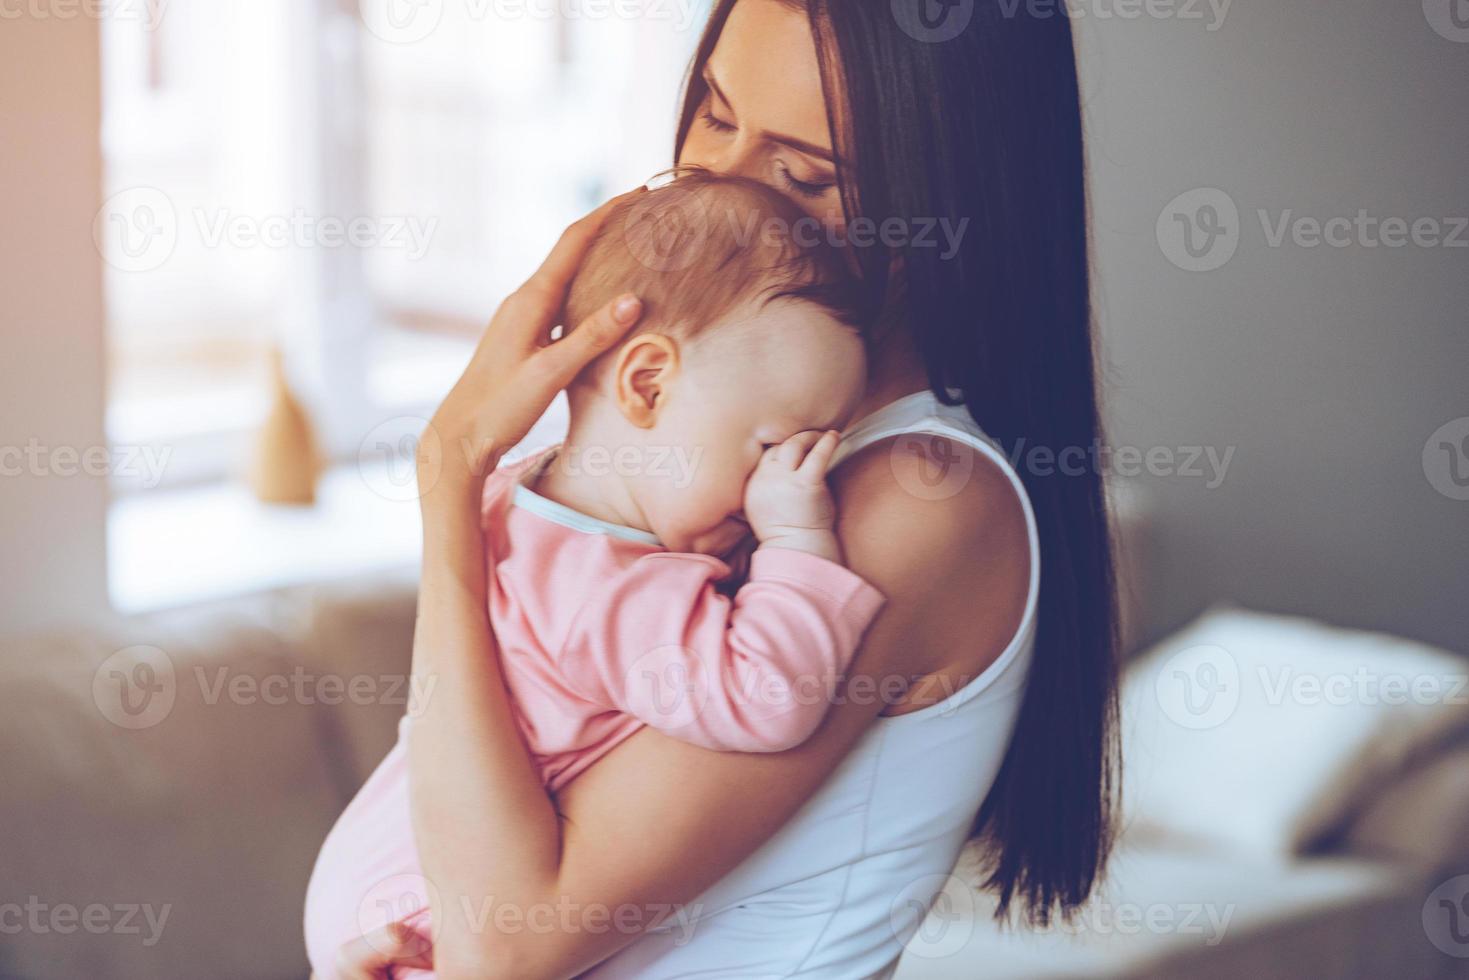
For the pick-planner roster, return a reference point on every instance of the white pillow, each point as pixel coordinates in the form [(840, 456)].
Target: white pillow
[(1260, 732)]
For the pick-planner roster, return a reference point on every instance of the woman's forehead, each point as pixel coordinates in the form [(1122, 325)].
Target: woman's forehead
[(765, 65)]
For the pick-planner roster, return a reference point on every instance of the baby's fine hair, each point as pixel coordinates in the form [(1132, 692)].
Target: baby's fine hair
[(704, 245)]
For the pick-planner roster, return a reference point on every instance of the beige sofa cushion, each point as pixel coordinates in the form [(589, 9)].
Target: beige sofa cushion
[(203, 808), (1421, 818), (360, 633)]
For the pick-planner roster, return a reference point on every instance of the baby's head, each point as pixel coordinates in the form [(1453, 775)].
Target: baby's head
[(749, 335)]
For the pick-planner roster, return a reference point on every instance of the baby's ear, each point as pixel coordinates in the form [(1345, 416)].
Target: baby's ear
[(645, 367)]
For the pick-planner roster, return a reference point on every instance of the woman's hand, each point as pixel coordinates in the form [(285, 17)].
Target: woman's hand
[(376, 955), (516, 370)]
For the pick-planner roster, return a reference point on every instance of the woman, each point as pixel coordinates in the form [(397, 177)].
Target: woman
[(981, 701)]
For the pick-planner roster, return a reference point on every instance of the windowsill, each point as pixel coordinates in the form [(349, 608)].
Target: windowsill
[(174, 547)]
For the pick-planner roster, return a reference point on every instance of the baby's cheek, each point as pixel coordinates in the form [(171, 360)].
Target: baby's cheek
[(694, 506), (720, 500), (709, 475)]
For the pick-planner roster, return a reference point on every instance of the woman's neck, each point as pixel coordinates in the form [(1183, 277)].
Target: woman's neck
[(894, 370)]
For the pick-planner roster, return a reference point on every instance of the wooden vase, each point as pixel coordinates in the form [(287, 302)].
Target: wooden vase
[(284, 460)]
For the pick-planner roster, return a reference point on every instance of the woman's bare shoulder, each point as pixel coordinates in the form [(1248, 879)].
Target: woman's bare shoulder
[(939, 529)]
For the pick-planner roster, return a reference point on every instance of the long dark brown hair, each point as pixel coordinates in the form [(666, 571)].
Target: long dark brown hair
[(986, 126)]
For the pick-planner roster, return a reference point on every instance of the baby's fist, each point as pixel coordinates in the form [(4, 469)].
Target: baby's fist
[(787, 501)]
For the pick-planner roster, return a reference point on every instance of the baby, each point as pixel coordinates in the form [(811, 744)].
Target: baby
[(715, 420)]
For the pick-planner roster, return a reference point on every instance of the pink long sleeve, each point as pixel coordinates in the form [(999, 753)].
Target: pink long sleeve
[(752, 674)]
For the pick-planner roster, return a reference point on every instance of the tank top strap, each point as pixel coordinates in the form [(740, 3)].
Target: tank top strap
[(920, 412)]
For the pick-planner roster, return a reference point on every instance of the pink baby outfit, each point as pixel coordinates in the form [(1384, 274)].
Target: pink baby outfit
[(601, 632)]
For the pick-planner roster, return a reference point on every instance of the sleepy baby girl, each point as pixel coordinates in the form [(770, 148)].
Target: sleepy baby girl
[(716, 420)]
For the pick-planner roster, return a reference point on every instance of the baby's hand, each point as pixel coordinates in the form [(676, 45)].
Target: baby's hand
[(787, 502)]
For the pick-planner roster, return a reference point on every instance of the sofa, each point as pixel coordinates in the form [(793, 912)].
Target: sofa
[(190, 761), (1295, 803), (170, 777)]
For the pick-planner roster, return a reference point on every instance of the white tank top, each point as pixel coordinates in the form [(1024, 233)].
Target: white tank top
[(843, 885)]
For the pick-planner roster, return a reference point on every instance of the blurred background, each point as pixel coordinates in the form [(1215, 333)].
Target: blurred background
[(355, 194), (244, 234)]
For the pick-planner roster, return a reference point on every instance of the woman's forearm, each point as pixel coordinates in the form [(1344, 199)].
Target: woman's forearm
[(485, 828), (487, 833)]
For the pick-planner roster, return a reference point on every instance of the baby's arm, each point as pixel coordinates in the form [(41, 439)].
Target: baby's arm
[(751, 674)]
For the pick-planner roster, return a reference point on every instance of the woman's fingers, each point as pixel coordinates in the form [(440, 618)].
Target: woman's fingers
[(595, 335), (514, 373), (545, 290), (561, 264), (373, 956)]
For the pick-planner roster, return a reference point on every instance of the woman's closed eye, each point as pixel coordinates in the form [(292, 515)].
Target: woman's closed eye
[(805, 188), (813, 188), (714, 122)]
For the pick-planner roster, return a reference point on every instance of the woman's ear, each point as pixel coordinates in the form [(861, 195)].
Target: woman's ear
[(646, 366)]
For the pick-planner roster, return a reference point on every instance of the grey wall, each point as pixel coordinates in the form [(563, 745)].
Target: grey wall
[(1327, 369)]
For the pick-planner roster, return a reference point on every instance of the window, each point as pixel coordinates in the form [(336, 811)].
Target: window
[(303, 175)]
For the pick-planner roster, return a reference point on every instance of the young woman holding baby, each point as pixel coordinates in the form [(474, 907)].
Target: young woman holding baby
[(982, 696)]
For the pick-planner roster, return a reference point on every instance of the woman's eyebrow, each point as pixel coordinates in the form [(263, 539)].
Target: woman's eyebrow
[(799, 145)]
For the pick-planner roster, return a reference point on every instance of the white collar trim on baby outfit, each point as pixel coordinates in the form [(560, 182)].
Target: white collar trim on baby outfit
[(575, 519)]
